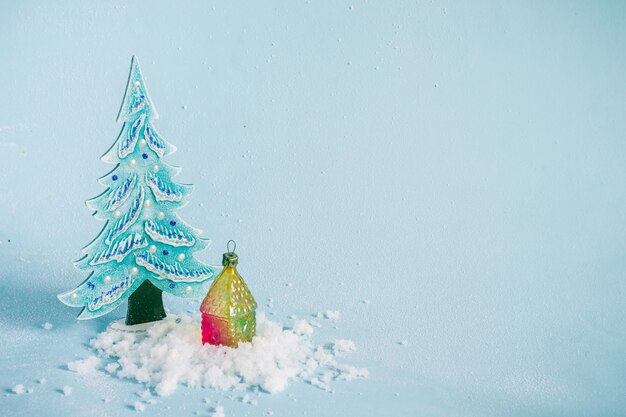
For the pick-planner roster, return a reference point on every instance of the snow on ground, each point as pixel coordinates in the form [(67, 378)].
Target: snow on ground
[(343, 346), (219, 412), (85, 366), (139, 406), (171, 353), (301, 327), (18, 389), (331, 315)]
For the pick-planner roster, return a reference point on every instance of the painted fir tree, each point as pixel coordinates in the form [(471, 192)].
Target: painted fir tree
[(144, 247)]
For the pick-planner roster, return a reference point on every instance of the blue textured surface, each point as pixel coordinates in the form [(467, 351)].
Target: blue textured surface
[(461, 166)]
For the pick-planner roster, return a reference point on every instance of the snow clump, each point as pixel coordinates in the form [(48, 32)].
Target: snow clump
[(343, 346), (332, 315), (87, 366), (18, 389), (219, 412)]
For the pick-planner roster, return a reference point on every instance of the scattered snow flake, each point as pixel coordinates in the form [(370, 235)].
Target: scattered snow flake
[(18, 389), (67, 390), (349, 372), (316, 382), (343, 345), (301, 327), (47, 326), (246, 399), (219, 412), (85, 366), (332, 315), (403, 343), (42, 380), (139, 406)]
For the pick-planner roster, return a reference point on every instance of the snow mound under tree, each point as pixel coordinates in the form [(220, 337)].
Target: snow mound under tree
[(171, 353)]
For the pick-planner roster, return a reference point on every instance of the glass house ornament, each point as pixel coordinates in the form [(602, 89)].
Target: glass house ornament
[(228, 310), (127, 260)]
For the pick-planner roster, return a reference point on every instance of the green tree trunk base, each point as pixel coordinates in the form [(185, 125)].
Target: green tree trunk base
[(145, 305)]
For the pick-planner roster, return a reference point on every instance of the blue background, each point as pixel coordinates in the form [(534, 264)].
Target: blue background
[(459, 164)]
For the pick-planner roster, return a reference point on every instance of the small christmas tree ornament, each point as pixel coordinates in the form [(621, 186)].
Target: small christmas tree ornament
[(145, 248), (228, 310)]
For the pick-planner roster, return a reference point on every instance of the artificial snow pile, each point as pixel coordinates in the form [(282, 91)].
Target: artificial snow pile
[(171, 353)]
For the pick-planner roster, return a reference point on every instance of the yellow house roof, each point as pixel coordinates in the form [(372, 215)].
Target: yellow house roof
[(229, 296)]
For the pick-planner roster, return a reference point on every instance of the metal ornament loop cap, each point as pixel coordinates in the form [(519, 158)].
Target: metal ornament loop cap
[(230, 258)]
